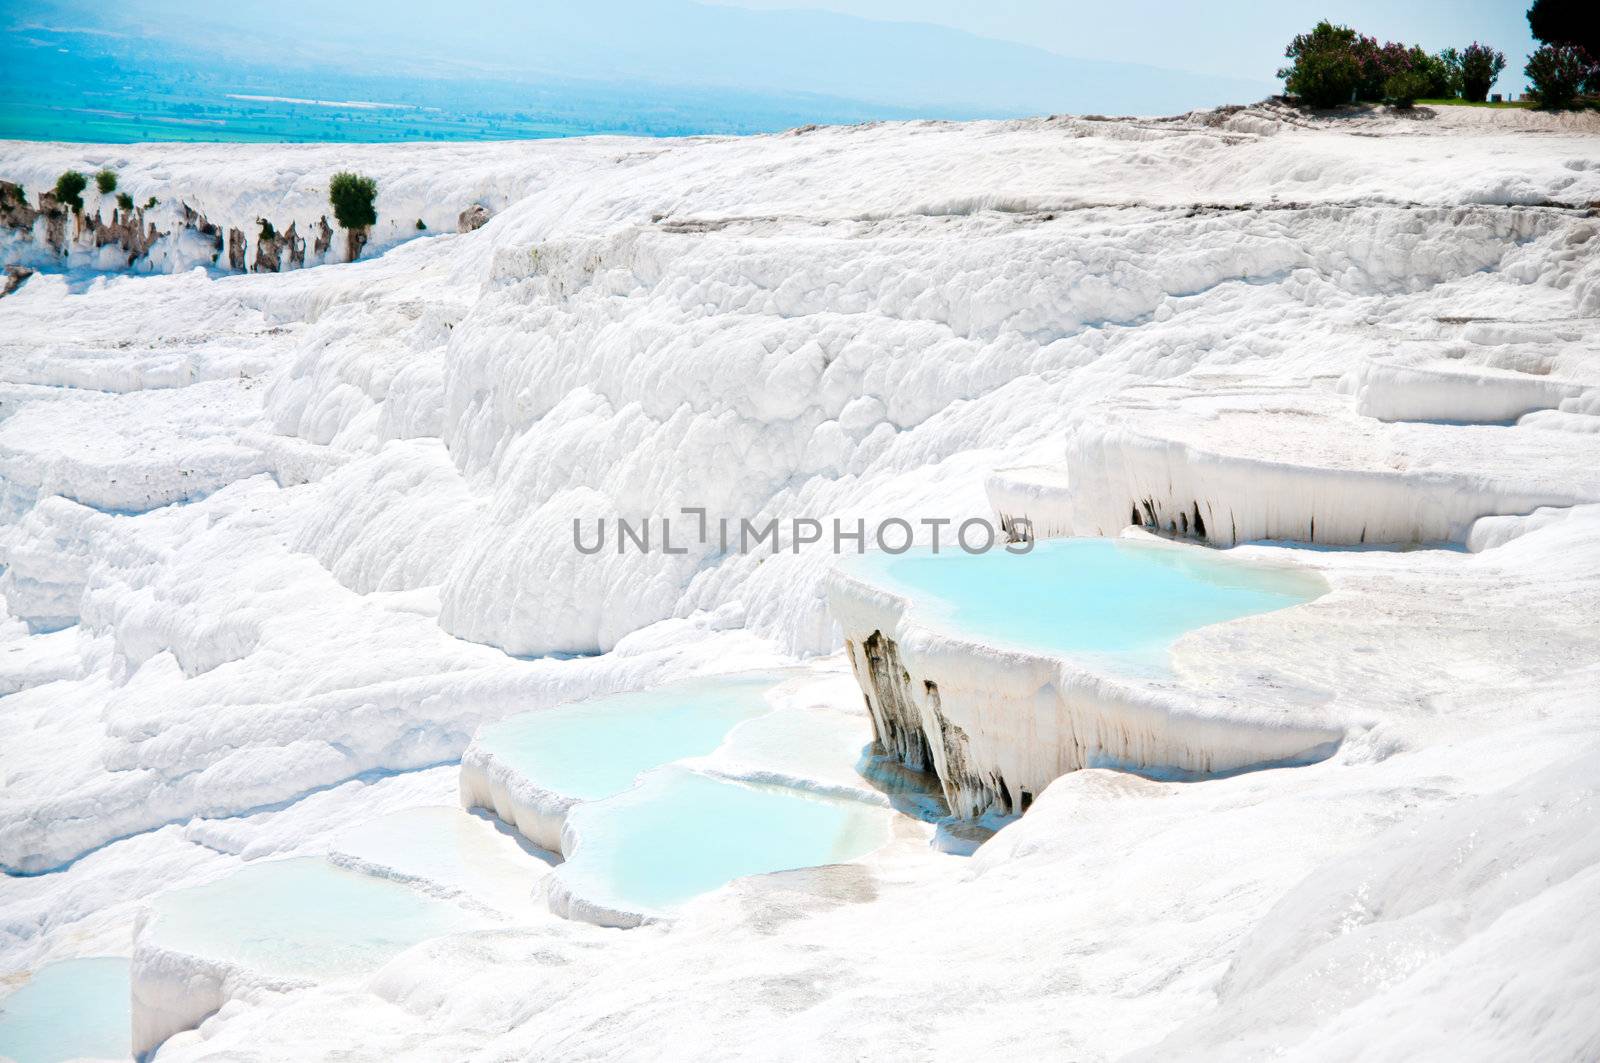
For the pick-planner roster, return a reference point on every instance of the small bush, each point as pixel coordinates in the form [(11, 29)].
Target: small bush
[(352, 197), (69, 189), (1452, 59), (420, 225), (124, 201), (106, 181), (267, 231), (1557, 73), (1403, 89), (1443, 72), (1480, 66), (151, 202), (1379, 63), (1326, 70)]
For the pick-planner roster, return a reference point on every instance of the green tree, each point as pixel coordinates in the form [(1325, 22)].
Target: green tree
[(1326, 69), (1566, 22), (1557, 73), (1402, 89), (124, 201), (69, 189), (106, 181), (1452, 59), (1443, 71), (1480, 66), (353, 197)]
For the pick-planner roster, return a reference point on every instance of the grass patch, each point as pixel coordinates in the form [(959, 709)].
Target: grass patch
[(1526, 105)]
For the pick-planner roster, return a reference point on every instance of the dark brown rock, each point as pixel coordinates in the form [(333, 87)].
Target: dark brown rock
[(55, 222), (322, 239), (474, 217), (14, 277), (294, 248), (195, 221), (15, 213)]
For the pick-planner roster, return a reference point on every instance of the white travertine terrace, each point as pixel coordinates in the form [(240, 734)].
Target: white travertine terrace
[(1227, 461), (276, 545)]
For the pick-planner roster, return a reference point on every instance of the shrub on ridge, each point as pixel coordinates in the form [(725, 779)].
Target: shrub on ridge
[(1443, 72), (69, 189), (1404, 88), (1557, 73), (1335, 65), (1326, 70), (1480, 66), (352, 197), (1379, 63)]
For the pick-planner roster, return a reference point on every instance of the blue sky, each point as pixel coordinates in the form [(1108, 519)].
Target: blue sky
[(1234, 38)]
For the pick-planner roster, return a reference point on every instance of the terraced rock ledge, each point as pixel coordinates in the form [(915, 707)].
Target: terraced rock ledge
[(997, 720)]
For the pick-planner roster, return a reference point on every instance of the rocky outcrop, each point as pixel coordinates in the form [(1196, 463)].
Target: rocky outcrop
[(15, 213), (897, 723), (48, 224), (322, 239), (277, 251), (127, 229), (15, 275), (236, 250), (296, 250), (55, 221), (269, 252), (473, 218), (197, 223), (909, 724)]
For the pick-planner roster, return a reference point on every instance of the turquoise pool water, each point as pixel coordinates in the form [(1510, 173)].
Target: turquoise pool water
[(593, 749), (653, 832), (301, 918), (75, 1009), (679, 834), (1096, 597)]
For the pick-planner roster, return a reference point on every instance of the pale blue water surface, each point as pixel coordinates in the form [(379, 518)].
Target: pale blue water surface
[(679, 834), (593, 749), (302, 918), (1109, 598), (75, 1009)]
